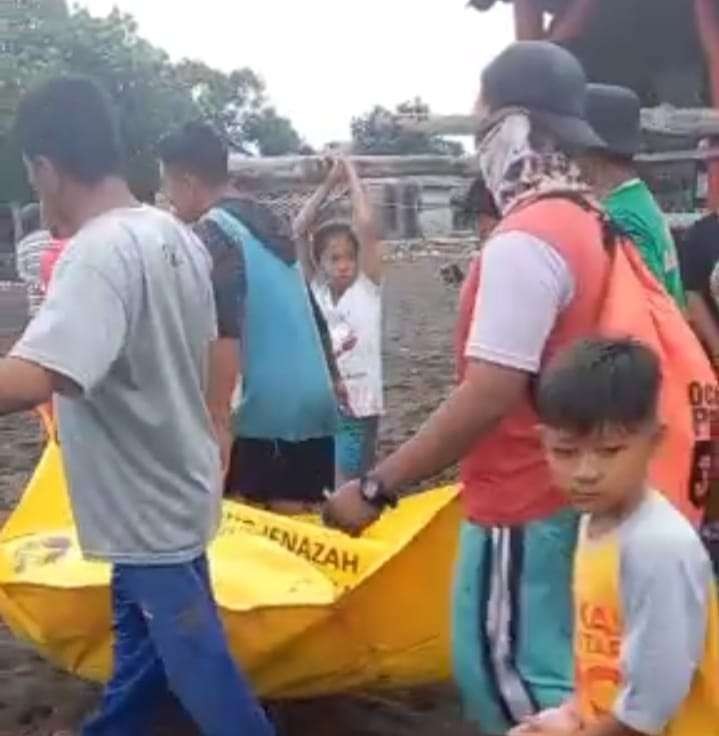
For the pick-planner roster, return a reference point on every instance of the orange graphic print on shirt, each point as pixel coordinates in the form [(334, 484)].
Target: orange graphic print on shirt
[(598, 628), (603, 621)]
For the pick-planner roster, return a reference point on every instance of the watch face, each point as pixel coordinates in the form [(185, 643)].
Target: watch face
[(371, 489)]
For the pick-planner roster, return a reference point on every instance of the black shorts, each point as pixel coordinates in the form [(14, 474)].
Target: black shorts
[(263, 471)]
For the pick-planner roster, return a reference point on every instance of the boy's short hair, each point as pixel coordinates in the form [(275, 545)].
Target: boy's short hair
[(598, 383), (70, 121), (329, 230), (197, 147)]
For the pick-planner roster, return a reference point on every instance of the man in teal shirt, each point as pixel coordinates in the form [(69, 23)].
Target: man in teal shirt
[(614, 113)]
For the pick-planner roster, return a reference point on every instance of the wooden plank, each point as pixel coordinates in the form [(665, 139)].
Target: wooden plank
[(668, 157), (665, 120), (311, 170), (683, 220), (424, 182), (688, 122)]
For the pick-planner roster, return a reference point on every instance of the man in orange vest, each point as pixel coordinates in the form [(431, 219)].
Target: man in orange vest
[(536, 287)]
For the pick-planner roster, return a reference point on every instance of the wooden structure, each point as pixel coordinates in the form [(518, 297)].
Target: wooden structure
[(666, 50), (663, 120), (411, 195), (270, 173)]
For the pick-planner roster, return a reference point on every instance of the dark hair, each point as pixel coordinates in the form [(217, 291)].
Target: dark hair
[(600, 382), (197, 148), (30, 218), (329, 230), (623, 161), (478, 200), (70, 121)]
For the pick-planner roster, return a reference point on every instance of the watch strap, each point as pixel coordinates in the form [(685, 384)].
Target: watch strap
[(382, 499)]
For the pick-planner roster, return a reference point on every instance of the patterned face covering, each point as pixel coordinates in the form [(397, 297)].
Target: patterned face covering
[(518, 163)]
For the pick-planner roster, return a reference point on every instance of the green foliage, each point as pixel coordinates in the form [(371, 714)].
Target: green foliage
[(377, 133), (273, 134), (152, 94), (226, 100)]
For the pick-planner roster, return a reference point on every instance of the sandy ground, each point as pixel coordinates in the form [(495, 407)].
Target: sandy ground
[(35, 699)]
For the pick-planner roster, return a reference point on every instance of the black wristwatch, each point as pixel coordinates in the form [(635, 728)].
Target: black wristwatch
[(374, 492)]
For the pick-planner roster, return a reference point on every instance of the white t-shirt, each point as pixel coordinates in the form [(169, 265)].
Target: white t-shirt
[(525, 286), (355, 324)]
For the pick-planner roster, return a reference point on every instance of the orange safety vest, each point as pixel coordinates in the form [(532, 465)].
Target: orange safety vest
[(505, 477)]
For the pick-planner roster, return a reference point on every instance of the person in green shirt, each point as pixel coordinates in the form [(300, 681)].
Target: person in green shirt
[(614, 113)]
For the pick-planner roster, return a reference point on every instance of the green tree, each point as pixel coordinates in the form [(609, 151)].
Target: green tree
[(27, 28), (236, 104), (152, 95), (378, 133), (225, 100), (273, 134)]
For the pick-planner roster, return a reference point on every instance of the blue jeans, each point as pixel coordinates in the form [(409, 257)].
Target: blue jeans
[(169, 638)]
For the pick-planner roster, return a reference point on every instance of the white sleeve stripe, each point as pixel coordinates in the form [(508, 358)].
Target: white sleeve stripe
[(477, 351)]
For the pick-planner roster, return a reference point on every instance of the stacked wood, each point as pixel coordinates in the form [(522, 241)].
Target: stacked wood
[(665, 120), (290, 171), (427, 171), (669, 157)]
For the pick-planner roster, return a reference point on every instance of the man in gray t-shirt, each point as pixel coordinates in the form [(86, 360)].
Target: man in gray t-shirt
[(137, 435), (125, 341)]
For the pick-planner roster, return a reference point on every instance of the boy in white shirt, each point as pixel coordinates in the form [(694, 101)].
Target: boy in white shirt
[(343, 264)]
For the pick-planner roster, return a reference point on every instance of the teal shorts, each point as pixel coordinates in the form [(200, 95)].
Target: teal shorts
[(356, 445), (512, 620)]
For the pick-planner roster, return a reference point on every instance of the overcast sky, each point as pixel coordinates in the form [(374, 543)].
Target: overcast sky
[(326, 60)]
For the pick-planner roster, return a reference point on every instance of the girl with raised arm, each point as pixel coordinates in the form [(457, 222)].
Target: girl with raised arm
[(343, 263)]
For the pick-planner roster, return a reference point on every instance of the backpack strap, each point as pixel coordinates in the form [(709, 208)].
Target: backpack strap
[(611, 232), (233, 229)]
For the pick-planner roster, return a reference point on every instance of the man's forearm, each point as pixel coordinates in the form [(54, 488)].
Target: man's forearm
[(223, 376), (305, 219), (471, 411), (23, 385), (224, 369)]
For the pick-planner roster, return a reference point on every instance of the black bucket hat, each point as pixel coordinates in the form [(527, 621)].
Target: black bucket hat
[(615, 113), (548, 82)]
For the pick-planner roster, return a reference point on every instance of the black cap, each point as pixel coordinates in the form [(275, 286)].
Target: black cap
[(615, 113), (549, 82)]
